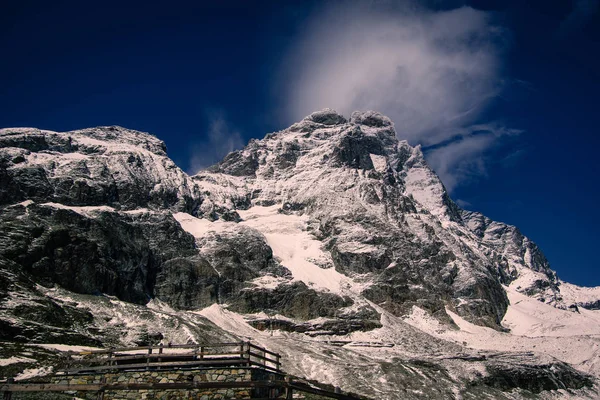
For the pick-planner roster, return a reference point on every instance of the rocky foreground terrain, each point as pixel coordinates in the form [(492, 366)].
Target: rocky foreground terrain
[(331, 242)]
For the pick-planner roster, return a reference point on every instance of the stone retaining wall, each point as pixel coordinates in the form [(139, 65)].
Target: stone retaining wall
[(196, 375)]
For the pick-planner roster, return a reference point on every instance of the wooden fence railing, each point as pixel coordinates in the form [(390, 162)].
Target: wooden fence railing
[(164, 357), (176, 357)]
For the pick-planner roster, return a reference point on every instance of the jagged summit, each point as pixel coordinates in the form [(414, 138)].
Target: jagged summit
[(326, 116), (360, 188), (330, 138), (329, 117)]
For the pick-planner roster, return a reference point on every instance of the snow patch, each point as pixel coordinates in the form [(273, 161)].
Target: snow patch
[(25, 203), (426, 189), (139, 211), (13, 360), (33, 372), (268, 281), (573, 294), (297, 249), (228, 320), (379, 162), (423, 320), (357, 247), (64, 347), (88, 211), (197, 227), (529, 317)]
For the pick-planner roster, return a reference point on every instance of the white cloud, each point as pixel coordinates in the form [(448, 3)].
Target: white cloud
[(464, 160), (461, 161), (221, 138), (433, 73)]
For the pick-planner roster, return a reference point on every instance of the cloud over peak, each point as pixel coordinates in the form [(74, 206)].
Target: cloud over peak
[(432, 72)]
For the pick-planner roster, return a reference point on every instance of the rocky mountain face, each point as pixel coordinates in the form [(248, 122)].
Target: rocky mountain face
[(332, 233), (382, 215)]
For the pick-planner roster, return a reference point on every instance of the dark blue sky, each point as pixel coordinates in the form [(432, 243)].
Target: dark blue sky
[(170, 68)]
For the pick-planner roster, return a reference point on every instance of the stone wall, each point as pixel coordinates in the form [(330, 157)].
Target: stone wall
[(196, 375)]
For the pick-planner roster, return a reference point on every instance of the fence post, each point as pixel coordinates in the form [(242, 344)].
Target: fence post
[(288, 389), (160, 351), (101, 391), (69, 363), (8, 394), (148, 359), (277, 358), (248, 350), (272, 390)]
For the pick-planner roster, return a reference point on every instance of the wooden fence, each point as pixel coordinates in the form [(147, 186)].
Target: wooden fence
[(164, 357), (177, 357)]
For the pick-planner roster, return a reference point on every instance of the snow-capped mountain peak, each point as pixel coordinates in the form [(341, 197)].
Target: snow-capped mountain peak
[(332, 232)]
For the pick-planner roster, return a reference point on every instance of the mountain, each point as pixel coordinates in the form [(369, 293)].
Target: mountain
[(331, 242)]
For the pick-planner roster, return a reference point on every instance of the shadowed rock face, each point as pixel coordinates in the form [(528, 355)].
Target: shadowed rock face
[(237, 164), (354, 150), (109, 253), (295, 300), (536, 378)]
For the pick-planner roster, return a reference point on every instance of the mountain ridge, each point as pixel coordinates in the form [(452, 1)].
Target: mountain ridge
[(332, 230)]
